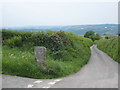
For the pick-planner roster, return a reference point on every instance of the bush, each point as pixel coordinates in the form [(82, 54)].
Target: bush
[(15, 41)]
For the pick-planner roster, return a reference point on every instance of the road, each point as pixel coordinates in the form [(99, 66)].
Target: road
[(100, 72)]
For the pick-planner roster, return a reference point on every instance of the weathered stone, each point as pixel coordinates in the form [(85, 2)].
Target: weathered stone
[(40, 56)]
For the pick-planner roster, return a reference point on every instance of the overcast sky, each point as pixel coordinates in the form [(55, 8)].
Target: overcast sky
[(58, 13)]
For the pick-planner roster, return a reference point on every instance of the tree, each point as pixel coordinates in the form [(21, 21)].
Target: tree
[(92, 35), (89, 33), (97, 36)]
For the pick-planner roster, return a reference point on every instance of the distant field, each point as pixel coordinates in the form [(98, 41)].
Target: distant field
[(107, 29), (66, 53)]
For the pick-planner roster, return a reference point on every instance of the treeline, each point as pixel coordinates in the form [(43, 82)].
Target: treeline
[(66, 53), (110, 46)]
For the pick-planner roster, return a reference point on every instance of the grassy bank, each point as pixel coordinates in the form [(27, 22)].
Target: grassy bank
[(66, 53), (110, 46)]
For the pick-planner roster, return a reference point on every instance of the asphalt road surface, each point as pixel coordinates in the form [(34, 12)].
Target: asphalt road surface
[(100, 72)]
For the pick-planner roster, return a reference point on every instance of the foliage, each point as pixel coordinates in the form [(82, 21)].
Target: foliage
[(106, 37), (15, 41), (110, 46), (89, 33), (66, 53), (92, 35)]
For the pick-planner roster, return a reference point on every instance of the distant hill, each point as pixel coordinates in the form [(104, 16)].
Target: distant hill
[(109, 29)]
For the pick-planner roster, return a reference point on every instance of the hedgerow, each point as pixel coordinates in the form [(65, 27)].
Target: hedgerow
[(66, 53), (110, 46)]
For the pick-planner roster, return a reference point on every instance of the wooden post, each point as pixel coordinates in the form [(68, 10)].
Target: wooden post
[(40, 56)]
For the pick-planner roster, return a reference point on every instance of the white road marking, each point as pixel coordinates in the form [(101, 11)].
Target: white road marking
[(46, 87), (49, 84), (52, 83), (57, 80), (38, 81), (30, 86)]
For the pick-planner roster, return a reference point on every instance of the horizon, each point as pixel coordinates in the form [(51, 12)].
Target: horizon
[(57, 25), (108, 29)]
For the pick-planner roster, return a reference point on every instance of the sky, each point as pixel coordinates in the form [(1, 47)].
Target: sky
[(36, 13)]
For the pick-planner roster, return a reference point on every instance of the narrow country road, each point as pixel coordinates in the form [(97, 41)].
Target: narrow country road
[(100, 72)]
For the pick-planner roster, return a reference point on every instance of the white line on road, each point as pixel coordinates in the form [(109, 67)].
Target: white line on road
[(51, 83), (46, 87), (38, 81), (30, 86), (57, 80)]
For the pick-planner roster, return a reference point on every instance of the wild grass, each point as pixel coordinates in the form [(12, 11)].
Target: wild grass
[(66, 53)]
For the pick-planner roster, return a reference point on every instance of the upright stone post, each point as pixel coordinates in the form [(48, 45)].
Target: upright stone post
[(40, 56)]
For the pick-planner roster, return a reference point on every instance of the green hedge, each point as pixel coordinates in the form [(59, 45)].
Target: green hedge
[(66, 53), (111, 47), (56, 42)]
